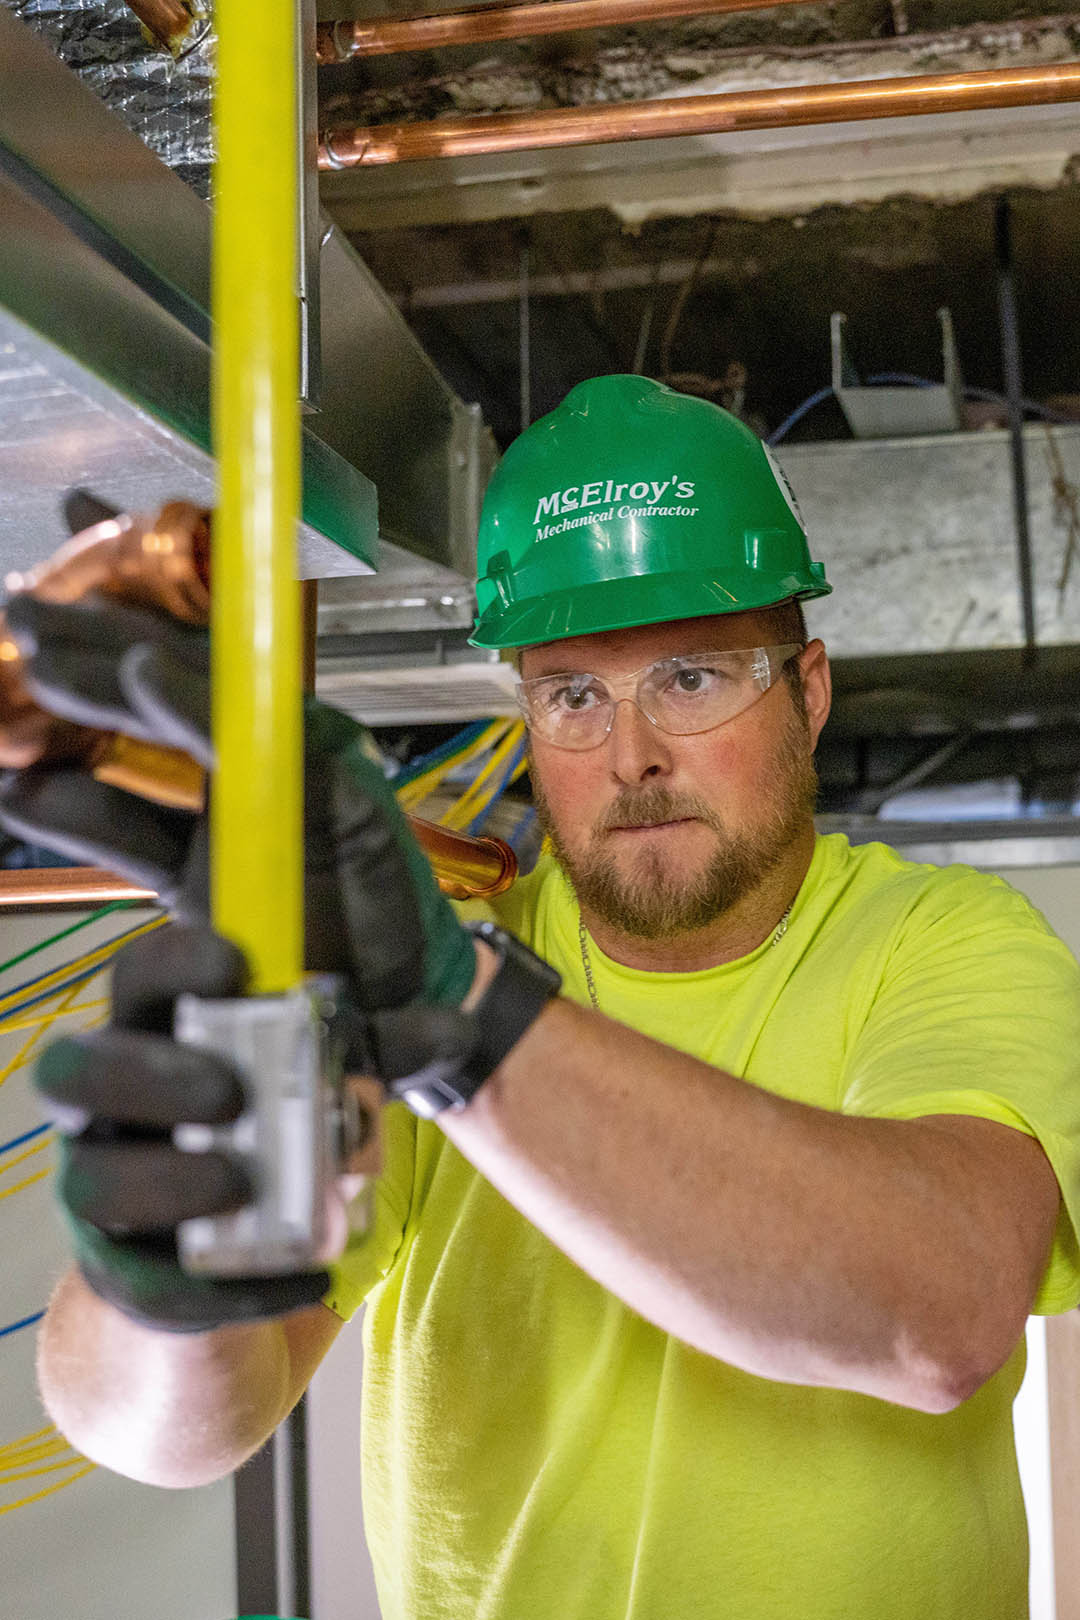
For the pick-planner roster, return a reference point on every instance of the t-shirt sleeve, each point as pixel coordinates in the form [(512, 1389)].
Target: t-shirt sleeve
[(978, 1012), (378, 1217)]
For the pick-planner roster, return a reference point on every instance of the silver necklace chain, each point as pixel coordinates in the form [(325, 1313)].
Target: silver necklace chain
[(586, 961)]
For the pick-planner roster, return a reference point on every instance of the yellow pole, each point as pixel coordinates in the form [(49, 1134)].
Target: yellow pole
[(257, 807)]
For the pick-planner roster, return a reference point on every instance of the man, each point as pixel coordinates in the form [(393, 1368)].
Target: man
[(708, 1297)]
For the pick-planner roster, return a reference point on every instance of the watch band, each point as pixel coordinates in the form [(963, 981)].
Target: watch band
[(522, 986)]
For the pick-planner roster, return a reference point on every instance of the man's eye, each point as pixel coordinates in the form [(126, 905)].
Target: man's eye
[(691, 680), (574, 698)]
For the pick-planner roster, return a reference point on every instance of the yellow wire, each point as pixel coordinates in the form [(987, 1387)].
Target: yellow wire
[(49, 1490), (26, 1439), (461, 813), (434, 773), (470, 805), (89, 960), (32, 1023), (7, 1476), (412, 793), (421, 787), (38, 1175), (39, 1148), (28, 1045), (29, 1454)]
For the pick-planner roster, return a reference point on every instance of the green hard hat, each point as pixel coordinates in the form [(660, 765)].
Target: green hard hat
[(633, 504)]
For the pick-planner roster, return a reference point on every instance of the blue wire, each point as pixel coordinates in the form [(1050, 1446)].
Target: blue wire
[(47, 995), (907, 379), (435, 756), (27, 1321), (508, 769), (797, 415), (28, 984), (27, 1136), (522, 827)]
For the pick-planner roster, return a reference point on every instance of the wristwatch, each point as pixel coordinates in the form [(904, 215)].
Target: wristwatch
[(522, 986)]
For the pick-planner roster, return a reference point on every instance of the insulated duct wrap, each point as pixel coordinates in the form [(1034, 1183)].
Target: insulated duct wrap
[(165, 101)]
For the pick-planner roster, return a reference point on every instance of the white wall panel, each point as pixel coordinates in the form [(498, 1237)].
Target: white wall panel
[(99, 1547)]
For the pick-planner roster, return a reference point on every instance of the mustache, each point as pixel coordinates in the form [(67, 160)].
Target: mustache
[(647, 807)]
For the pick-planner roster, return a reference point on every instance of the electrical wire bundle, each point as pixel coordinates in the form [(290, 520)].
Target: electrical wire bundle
[(33, 1008), (504, 742)]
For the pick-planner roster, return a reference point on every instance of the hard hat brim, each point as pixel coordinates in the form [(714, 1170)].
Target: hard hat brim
[(619, 604)]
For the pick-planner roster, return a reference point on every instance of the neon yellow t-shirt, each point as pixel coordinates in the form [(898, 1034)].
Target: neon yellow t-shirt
[(534, 1450)]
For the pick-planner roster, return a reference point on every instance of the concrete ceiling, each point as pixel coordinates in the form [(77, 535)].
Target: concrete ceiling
[(686, 256)]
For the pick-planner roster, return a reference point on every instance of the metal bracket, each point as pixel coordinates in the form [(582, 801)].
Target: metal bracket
[(897, 410)]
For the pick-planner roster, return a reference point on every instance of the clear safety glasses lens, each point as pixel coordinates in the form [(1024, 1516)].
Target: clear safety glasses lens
[(684, 695)]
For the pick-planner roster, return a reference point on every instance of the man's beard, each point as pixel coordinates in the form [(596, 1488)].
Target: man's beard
[(654, 903)]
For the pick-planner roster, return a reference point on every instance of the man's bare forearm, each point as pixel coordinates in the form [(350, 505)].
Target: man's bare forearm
[(892, 1258), (172, 1409)]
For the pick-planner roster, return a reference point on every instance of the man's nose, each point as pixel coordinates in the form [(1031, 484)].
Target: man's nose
[(638, 748)]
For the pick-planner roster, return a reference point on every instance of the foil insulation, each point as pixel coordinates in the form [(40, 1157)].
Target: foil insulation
[(162, 99)]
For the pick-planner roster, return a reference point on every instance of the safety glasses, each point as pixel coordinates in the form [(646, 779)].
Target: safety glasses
[(683, 695)]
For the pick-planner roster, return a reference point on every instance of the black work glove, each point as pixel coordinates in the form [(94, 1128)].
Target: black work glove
[(373, 910), (115, 1096), (373, 913)]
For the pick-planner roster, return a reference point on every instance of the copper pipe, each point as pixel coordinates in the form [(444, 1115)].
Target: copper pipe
[(466, 867), (363, 146), (340, 41), (66, 886)]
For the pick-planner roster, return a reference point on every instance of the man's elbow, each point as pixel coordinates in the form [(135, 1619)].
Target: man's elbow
[(939, 1382), (171, 1463)]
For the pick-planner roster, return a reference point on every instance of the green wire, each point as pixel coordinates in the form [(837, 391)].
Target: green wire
[(103, 911)]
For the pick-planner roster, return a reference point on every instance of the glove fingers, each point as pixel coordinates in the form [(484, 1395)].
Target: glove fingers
[(171, 697), (151, 972), (84, 687), (128, 1189), (100, 625), (97, 825), (74, 653), (136, 1079), (145, 1281)]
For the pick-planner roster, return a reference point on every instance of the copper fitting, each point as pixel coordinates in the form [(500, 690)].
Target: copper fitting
[(699, 115), (171, 23), (341, 41), (467, 867), (161, 563)]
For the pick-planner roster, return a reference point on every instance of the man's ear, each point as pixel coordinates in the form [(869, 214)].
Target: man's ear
[(816, 685)]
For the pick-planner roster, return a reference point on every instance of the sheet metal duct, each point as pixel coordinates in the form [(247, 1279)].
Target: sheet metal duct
[(918, 540), (104, 284)]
